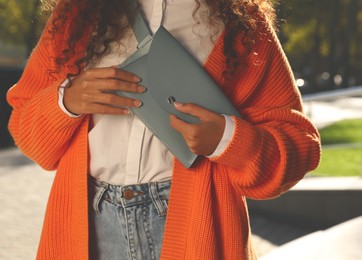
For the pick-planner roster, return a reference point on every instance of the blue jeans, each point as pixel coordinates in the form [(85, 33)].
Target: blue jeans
[(126, 222)]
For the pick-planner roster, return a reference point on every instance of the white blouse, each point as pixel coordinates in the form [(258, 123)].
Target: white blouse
[(122, 149)]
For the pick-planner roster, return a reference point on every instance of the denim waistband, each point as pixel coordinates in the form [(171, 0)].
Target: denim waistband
[(130, 195)]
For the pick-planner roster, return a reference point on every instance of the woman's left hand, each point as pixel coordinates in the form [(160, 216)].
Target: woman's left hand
[(204, 137)]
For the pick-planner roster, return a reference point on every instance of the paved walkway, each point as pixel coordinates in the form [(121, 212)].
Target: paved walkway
[(23, 194), (323, 113), (341, 242)]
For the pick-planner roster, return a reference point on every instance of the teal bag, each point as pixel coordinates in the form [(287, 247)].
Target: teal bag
[(170, 73)]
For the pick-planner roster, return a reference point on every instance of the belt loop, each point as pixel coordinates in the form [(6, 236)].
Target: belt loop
[(98, 197), (160, 207)]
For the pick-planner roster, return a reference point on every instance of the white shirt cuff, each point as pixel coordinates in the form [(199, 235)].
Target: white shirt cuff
[(226, 138), (60, 99)]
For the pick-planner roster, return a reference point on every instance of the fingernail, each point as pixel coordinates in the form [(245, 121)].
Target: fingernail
[(137, 103), (141, 89), (125, 111), (178, 104), (137, 79)]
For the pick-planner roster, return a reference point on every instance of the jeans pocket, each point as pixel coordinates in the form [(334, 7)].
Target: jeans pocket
[(160, 204), (98, 197)]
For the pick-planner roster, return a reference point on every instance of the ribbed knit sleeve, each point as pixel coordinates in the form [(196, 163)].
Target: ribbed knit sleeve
[(274, 144), (39, 127)]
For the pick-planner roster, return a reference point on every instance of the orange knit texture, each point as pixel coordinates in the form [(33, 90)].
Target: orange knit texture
[(273, 147)]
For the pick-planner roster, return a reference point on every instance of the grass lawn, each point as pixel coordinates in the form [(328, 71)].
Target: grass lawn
[(346, 131), (340, 160)]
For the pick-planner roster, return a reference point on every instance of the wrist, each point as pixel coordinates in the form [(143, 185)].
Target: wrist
[(62, 100), (225, 139)]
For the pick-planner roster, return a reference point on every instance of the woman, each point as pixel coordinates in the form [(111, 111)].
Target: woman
[(111, 190)]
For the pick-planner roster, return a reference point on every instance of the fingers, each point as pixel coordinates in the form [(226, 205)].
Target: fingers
[(114, 85), (109, 79), (113, 100), (188, 131), (193, 109), (104, 109), (112, 72), (201, 138), (88, 91), (179, 125), (104, 103), (196, 136)]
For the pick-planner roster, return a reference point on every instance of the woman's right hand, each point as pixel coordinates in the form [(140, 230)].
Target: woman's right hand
[(89, 92)]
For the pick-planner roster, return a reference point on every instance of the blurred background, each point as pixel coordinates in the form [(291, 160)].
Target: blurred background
[(323, 42)]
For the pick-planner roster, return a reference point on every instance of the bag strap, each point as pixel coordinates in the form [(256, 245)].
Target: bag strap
[(143, 35), (139, 27)]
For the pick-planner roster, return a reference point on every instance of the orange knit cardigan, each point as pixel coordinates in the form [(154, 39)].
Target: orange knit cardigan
[(273, 146)]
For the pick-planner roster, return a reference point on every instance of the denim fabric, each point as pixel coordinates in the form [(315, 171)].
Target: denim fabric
[(126, 222)]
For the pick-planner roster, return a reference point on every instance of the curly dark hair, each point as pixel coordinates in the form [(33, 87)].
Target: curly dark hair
[(108, 21)]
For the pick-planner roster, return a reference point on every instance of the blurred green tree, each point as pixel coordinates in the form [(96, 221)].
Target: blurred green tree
[(323, 38), (19, 22)]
